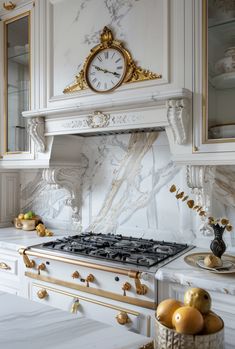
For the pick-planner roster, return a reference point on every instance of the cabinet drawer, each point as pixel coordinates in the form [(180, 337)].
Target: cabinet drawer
[(88, 307), (8, 265)]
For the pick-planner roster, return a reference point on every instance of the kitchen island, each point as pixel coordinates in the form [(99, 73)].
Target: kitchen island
[(25, 324)]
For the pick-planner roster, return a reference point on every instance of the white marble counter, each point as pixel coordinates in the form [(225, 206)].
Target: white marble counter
[(25, 324), (180, 272), (13, 239)]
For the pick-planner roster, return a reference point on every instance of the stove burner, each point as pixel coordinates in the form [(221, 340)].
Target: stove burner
[(142, 252)]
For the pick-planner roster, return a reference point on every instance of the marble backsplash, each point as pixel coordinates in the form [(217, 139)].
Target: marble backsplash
[(125, 189)]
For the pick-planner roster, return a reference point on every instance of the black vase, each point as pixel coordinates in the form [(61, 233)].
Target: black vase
[(217, 245)]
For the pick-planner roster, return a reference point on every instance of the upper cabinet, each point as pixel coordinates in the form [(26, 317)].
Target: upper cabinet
[(214, 89), (16, 34), (17, 82)]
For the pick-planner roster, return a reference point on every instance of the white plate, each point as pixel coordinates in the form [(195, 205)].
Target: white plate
[(227, 267)]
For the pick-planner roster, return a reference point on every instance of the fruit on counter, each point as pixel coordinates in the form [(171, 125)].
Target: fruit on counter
[(192, 317), (212, 323), (165, 311), (198, 299), (21, 216), (212, 261), (29, 215), (187, 320), (40, 228), (43, 231)]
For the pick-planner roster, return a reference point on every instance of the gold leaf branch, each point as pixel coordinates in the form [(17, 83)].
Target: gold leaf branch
[(180, 195)]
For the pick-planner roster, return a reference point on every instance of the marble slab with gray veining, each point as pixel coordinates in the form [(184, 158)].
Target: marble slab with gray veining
[(180, 272), (13, 239), (25, 324)]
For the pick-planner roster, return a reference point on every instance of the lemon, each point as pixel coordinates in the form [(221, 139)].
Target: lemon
[(165, 311), (199, 299), (187, 320)]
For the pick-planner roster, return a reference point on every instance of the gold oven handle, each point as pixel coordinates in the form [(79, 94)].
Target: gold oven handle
[(4, 266)]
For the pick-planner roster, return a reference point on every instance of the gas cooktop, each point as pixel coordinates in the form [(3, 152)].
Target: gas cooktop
[(118, 248)]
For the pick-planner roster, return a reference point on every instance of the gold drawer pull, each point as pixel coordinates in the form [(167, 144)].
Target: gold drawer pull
[(4, 266), (123, 318), (75, 305), (42, 293)]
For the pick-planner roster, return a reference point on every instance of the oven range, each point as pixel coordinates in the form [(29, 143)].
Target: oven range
[(106, 277)]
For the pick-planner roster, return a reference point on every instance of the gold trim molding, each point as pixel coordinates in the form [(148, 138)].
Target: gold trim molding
[(134, 73)]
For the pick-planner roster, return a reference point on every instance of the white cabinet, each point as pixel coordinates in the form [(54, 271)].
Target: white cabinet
[(222, 304), (10, 271), (17, 89), (213, 90), (9, 196)]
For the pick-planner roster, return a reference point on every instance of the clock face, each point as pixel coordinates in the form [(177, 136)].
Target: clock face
[(106, 70)]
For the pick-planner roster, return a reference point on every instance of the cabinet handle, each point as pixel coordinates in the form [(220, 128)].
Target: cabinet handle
[(123, 318), (75, 305), (42, 294), (4, 266)]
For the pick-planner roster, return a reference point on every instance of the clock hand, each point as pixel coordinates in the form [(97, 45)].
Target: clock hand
[(105, 70)]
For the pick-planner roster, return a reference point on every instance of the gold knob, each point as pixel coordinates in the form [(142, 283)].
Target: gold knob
[(75, 275), (4, 266), (41, 266), (142, 290), (126, 287), (42, 293), (123, 318), (90, 278)]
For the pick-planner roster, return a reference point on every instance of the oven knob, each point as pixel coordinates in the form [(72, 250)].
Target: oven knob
[(41, 266), (75, 275), (90, 278), (126, 287), (42, 293), (122, 318)]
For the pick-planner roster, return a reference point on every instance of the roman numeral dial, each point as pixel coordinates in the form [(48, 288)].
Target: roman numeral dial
[(106, 70)]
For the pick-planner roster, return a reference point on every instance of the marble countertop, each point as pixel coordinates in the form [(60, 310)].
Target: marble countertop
[(25, 324), (181, 273), (13, 239)]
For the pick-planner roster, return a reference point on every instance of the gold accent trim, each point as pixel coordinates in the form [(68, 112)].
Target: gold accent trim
[(28, 263), (4, 266), (89, 300), (133, 73), (9, 6), (95, 291), (130, 273), (6, 22)]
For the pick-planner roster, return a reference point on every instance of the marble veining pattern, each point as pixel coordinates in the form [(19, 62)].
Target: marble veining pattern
[(125, 189), (25, 324)]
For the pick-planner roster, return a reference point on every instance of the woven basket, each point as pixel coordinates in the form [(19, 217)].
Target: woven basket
[(170, 339)]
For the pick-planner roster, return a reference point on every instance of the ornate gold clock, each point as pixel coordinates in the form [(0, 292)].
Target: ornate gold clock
[(109, 65)]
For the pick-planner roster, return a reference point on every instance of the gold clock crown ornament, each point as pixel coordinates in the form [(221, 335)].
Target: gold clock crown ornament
[(108, 65)]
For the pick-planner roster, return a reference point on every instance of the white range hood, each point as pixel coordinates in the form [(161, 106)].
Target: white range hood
[(103, 114)]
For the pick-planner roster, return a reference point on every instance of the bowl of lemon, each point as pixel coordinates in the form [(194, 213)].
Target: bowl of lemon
[(27, 221), (190, 324)]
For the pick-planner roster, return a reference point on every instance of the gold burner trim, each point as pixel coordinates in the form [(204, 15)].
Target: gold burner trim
[(95, 291)]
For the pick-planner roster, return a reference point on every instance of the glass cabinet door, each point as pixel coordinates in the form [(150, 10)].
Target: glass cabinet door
[(219, 70), (17, 82)]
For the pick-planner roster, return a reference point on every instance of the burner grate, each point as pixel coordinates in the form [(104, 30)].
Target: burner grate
[(141, 252)]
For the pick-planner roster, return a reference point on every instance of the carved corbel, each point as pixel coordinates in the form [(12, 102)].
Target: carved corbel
[(178, 117), (201, 180), (69, 179), (36, 128)]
